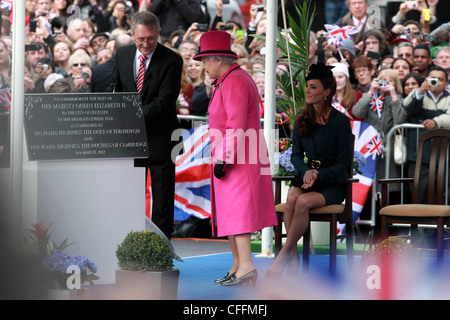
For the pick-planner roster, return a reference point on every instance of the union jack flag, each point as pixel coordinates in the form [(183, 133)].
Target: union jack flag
[(340, 108), (6, 4), (192, 177), (375, 146), (337, 35), (364, 135), (376, 104), (5, 97)]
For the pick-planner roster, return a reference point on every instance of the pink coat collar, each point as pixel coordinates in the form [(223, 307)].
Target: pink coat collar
[(219, 81)]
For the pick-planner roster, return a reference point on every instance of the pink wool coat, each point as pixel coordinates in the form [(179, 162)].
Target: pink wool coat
[(243, 200)]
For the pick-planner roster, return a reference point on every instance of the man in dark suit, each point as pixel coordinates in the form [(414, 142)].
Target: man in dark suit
[(101, 74), (159, 86), (359, 17)]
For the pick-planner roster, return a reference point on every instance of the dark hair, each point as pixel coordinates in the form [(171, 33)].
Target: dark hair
[(306, 119), (381, 41), (48, 62), (423, 46), (436, 68), (399, 58), (411, 75), (63, 85)]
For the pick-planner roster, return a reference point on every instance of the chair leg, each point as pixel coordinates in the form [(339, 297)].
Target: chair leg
[(440, 240), (278, 230), (333, 244), (384, 227), (349, 244), (306, 248), (414, 234)]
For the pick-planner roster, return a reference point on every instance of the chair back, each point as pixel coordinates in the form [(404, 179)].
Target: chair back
[(439, 140), (347, 215)]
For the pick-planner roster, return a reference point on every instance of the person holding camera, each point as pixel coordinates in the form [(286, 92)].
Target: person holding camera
[(428, 105), (414, 9), (119, 16), (381, 107), (80, 70), (44, 67), (176, 14)]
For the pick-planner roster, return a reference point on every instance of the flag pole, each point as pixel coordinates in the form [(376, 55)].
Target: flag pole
[(269, 106), (17, 112)]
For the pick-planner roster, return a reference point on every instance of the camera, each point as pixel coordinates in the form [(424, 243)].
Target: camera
[(224, 28), (411, 4), (374, 55), (426, 15), (382, 83), (32, 47), (433, 81), (33, 25), (260, 7), (427, 38), (407, 30), (202, 27), (84, 75)]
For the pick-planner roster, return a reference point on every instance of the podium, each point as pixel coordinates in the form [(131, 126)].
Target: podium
[(80, 175)]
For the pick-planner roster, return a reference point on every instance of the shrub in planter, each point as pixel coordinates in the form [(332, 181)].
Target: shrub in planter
[(146, 267), (144, 251)]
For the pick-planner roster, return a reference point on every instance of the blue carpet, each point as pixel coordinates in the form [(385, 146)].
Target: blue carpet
[(197, 275)]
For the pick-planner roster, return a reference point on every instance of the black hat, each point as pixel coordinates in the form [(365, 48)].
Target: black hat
[(319, 71), (100, 34)]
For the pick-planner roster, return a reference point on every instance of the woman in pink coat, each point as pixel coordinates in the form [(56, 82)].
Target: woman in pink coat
[(241, 186)]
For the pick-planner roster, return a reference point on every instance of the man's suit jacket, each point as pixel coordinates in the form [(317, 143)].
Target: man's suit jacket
[(347, 20), (101, 76), (159, 94)]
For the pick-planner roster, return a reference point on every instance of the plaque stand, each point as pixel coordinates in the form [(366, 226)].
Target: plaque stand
[(93, 203)]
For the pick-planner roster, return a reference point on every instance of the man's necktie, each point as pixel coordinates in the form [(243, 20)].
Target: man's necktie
[(140, 77)]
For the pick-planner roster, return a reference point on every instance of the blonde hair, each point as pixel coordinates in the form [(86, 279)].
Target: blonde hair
[(393, 75)]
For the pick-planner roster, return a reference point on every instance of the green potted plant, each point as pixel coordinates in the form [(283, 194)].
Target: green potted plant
[(294, 50), (146, 267)]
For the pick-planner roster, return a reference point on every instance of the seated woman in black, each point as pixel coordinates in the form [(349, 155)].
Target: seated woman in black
[(324, 136)]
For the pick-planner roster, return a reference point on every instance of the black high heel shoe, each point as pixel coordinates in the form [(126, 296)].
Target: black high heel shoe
[(250, 277), (225, 278)]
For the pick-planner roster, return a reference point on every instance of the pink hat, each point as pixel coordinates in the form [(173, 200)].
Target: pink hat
[(215, 43)]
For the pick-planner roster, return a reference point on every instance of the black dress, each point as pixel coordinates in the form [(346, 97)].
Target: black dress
[(331, 144)]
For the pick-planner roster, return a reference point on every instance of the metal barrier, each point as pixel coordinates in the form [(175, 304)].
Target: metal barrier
[(388, 149)]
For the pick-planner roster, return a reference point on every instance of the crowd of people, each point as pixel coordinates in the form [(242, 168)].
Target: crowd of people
[(392, 56)]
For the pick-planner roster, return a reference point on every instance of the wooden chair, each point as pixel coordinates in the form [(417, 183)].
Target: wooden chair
[(333, 214), (434, 212)]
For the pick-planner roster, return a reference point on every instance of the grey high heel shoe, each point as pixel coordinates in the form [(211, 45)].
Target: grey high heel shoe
[(225, 278), (250, 278)]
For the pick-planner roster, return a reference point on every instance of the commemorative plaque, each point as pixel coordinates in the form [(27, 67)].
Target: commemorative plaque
[(84, 126)]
